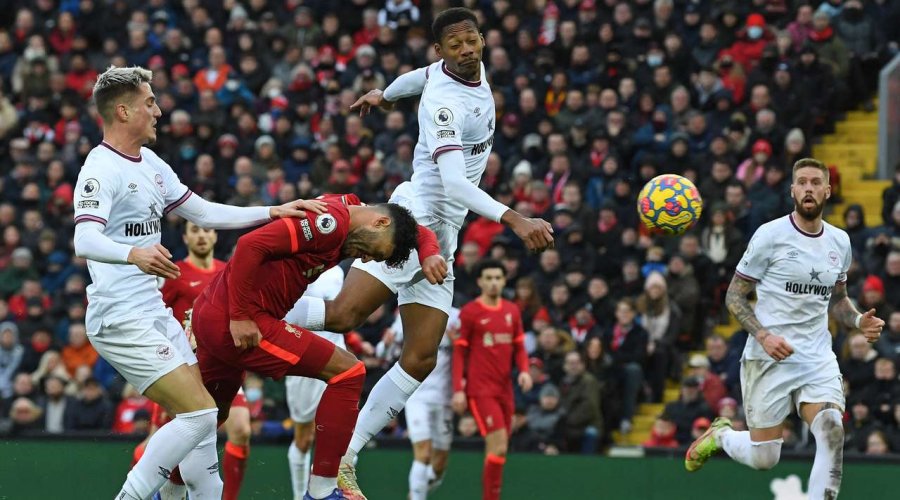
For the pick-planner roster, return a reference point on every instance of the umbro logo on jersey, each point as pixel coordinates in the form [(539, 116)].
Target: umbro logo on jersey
[(132, 187), (392, 412), (793, 254), (477, 111)]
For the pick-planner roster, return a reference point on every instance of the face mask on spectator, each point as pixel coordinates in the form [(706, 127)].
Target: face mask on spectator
[(654, 60), (754, 32), (253, 394)]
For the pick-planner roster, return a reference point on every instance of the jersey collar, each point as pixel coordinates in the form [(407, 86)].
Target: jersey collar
[(467, 83), (136, 159), (804, 233)]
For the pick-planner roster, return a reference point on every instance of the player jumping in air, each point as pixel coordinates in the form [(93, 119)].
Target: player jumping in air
[(797, 264), (123, 192), (456, 127), (237, 321), (491, 341)]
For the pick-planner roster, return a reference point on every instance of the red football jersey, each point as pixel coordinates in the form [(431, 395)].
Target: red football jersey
[(491, 340), (272, 265), (179, 294)]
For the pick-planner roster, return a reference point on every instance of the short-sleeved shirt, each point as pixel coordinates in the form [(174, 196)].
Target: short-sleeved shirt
[(454, 115), (795, 272), (129, 195)]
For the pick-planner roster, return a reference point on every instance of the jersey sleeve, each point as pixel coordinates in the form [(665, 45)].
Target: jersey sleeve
[(443, 129), (277, 240), (755, 260), (848, 258), (95, 192)]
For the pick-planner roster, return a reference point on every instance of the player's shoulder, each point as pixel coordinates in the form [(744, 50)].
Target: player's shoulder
[(469, 308), (773, 228), (101, 162), (218, 265), (836, 233), (510, 306)]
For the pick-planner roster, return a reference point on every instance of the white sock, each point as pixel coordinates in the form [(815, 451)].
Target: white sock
[(321, 486), (418, 481), (166, 449), (308, 312), (385, 402), (172, 491), (200, 471), (827, 470), (434, 482), (757, 455), (299, 462)]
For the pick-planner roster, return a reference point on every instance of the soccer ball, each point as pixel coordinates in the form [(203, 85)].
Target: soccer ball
[(669, 204)]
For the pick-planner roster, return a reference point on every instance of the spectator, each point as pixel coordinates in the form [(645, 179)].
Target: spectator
[(877, 444), (79, 352), (626, 342), (19, 270), (553, 344), (662, 320), (544, 422), (92, 411), (883, 391), (124, 419), (11, 353), (580, 405), (58, 407), (689, 407), (724, 363), (662, 435), (861, 424), (889, 343), (710, 384)]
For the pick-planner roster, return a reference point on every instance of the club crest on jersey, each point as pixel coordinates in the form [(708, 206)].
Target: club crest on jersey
[(292, 329), (326, 223), (443, 117), (165, 352), (833, 258), (91, 188), (160, 185)]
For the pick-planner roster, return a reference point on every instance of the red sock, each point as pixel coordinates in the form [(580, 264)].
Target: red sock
[(336, 418), (175, 476), (492, 477), (234, 464)]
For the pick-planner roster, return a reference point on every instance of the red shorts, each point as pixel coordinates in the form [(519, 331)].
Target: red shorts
[(159, 417), (285, 349), (492, 413)]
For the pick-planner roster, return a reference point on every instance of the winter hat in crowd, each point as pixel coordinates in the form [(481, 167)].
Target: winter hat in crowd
[(762, 146), (873, 284)]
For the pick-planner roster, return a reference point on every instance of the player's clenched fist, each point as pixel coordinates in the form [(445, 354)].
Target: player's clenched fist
[(537, 234), (871, 325), (435, 269), (775, 346), (245, 333), (458, 403), (155, 260), (525, 381)]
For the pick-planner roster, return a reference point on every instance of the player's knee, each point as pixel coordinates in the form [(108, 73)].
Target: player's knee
[(344, 316), (239, 433), (765, 455), (353, 375), (303, 441), (418, 364), (828, 429)]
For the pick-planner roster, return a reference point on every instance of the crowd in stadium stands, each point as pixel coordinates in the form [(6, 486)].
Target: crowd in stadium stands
[(593, 97)]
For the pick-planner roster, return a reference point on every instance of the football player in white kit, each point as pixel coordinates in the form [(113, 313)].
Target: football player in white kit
[(456, 127), (797, 264), (304, 394), (429, 416), (123, 192)]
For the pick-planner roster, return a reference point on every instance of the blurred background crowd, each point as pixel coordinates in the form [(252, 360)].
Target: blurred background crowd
[(593, 98)]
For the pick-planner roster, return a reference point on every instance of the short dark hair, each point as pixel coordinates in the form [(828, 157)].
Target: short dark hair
[(406, 233), (114, 83), (489, 264), (811, 163), (450, 17)]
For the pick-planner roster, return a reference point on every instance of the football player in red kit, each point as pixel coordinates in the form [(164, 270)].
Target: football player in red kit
[(491, 341), (238, 326)]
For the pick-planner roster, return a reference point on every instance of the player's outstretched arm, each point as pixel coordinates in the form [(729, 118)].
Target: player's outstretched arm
[(90, 243), (737, 302), (845, 312), (406, 85), (537, 234), (218, 216)]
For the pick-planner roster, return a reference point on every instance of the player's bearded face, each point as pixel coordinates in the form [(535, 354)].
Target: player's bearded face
[(368, 245), (810, 190), (461, 48)]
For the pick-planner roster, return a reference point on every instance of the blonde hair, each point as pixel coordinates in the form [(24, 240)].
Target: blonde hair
[(114, 83)]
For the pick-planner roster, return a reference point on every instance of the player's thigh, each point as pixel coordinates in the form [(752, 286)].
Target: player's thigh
[(222, 380), (366, 286), (179, 391), (488, 414), (767, 387), (303, 396), (423, 328), (496, 442), (822, 387), (286, 349), (139, 348)]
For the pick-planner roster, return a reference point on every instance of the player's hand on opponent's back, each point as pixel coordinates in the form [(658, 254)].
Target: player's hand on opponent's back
[(775, 346), (298, 209), (434, 268), (245, 333), (537, 234), (155, 260), (459, 403), (374, 97), (871, 326), (525, 381)]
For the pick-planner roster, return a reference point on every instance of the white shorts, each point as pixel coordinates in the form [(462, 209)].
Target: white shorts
[(304, 394), (430, 421), (770, 388), (144, 348), (408, 282)]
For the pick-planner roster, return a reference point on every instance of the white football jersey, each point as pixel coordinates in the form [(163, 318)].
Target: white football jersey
[(795, 273), (437, 388), (454, 114), (129, 196), (327, 286)]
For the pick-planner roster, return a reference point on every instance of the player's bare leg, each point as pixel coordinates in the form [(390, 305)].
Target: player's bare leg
[(193, 428), (437, 468), (299, 455), (418, 472), (237, 449), (496, 443), (826, 424)]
